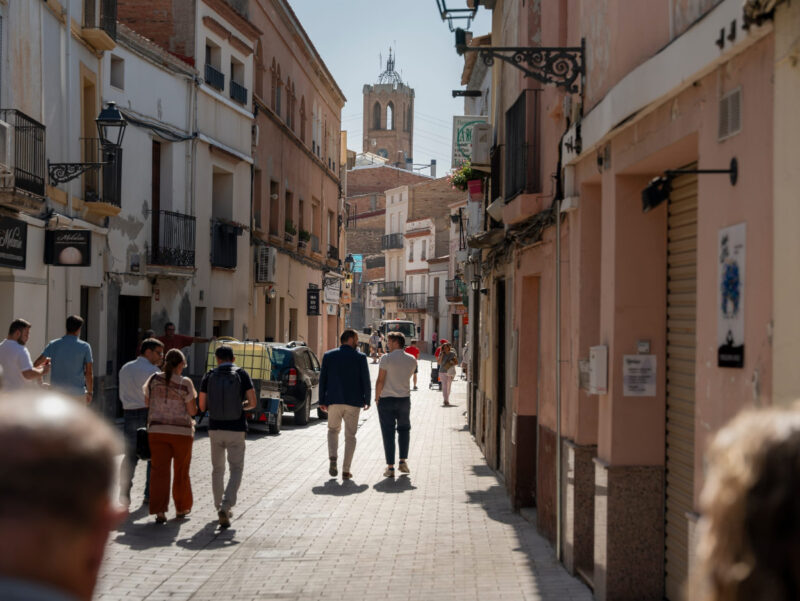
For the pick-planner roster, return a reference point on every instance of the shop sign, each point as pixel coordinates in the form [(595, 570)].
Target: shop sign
[(730, 296), (13, 243), (358, 263), (462, 137), (333, 292), (312, 301), (68, 248)]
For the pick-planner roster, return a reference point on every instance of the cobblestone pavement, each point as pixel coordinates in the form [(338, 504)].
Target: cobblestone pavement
[(445, 532)]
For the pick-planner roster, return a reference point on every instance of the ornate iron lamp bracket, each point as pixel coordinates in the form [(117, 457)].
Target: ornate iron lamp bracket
[(61, 173), (563, 67)]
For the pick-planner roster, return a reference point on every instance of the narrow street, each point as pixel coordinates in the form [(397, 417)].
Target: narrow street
[(445, 532)]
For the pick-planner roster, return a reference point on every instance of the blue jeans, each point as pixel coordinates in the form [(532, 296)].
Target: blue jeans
[(134, 419), (395, 414)]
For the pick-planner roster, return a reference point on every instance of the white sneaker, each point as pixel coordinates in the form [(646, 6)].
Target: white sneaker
[(403, 467)]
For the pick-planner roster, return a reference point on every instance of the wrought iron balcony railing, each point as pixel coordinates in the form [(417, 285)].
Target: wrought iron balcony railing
[(433, 304), (414, 301), (22, 162), (104, 185), (238, 92), (454, 290), (172, 241), (108, 16), (390, 289), (333, 252), (224, 243), (214, 78), (391, 241)]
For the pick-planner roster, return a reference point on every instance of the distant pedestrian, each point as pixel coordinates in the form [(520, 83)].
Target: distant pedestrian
[(18, 369), (171, 399), (172, 340), (749, 530), (344, 388), (226, 392), (132, 378), (393, 399), (56, 471), (374, 345), (414, 352), (434, 341), (71, 362), (447, 370)]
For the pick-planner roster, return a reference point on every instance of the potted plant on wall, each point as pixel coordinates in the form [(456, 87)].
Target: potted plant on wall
[(289, 231), (303, 238), (465, 178)]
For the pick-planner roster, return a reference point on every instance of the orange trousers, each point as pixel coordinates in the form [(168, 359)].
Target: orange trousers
[(166, 451)]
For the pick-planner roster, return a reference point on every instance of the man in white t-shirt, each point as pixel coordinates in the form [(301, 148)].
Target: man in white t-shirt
[(15, 359), (393, 399)]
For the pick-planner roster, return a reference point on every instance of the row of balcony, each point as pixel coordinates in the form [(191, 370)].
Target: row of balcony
[(216, 79)]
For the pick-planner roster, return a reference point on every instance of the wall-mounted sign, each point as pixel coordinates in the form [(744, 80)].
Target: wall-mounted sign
[(312, 301), (358, 263), (68, 248), (462, 137), (730, 296), (333, 291), (639, 375), (13, 243)]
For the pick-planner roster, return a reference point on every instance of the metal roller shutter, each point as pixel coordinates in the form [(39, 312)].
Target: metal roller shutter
[(681, 343)]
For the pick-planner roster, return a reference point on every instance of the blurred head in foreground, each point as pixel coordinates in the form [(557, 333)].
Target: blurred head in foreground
[(57, 470), (749, 545)]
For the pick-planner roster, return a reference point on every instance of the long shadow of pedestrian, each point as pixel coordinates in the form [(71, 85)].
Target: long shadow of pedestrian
[(147, 535), (209, 537), (390, 485), (333, 488)]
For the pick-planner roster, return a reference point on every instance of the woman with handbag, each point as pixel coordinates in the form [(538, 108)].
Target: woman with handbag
[(447, 369), (170, 398)]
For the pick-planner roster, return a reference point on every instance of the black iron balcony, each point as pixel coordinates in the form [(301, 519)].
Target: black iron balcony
[(224, 243), (314, 243), (390, 241), (454, 290), (104, 185), (433, 304), (414, 301), (333, 252), (390, 289), (214, 78), (238, 92), (172, 241), (22, 163), (522, 172), (108, 16)]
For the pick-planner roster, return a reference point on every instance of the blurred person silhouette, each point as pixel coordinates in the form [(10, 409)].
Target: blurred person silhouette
[(57, 468), (749, 532)]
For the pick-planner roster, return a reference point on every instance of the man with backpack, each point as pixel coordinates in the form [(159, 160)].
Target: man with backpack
[(226, 392)]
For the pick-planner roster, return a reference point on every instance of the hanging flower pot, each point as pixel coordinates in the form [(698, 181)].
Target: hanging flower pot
[(475, 187)]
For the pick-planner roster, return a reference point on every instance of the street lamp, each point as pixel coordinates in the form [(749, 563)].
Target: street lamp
[(348, 263), (111, 129), (452, 14), (475, 283)]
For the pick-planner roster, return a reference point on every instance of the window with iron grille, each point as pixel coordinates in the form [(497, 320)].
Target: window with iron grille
[(522, 136), (223, 244)]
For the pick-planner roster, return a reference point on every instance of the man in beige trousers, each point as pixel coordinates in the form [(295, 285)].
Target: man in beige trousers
[(344, 388)]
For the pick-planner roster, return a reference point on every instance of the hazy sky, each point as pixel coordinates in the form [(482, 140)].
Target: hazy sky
[(350, 35)]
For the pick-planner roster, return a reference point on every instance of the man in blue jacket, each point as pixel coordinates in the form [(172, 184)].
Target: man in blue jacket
[(344, 388)]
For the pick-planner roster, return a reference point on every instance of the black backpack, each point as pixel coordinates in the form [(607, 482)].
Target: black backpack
[(224, 394)]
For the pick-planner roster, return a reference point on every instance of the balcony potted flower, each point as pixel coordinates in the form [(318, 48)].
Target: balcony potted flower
[(303, 238), (289, 231), (465, 178)]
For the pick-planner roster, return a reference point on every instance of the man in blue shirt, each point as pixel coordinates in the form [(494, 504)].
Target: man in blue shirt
[(344, 388), (71, 359)]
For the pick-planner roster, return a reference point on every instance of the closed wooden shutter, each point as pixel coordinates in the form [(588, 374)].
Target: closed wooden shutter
[(681, 343)]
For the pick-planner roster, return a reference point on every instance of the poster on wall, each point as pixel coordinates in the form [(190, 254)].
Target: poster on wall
[(69, 248), (312, 301), (13, 243), (639, 375), (730, 296)]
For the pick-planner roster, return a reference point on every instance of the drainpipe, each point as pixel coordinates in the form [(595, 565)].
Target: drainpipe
[(68, 97)]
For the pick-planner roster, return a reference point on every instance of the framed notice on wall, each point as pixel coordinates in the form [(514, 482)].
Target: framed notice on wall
[(730, 296), (13, 243), (312, 301)]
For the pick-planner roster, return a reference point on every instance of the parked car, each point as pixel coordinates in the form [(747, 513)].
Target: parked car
[(296, 368)]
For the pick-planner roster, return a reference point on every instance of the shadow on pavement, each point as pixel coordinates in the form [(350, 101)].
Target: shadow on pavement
[(147, 535), (482, 470), (391, 485), (334, 488), (209, 537)]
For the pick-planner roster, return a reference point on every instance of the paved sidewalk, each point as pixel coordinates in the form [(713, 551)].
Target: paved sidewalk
[(446, 532)]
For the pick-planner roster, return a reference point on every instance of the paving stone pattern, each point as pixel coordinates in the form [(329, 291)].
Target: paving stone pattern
[(446, 532)]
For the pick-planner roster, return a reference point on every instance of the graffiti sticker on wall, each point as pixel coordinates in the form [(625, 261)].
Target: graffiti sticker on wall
[(730, 296)]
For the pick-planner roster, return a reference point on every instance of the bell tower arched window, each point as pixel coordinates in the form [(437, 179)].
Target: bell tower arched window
[(390, 116), (376, 116)]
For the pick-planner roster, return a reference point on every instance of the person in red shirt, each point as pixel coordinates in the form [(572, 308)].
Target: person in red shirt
[(172, 340), (414, 352), (439, 348)]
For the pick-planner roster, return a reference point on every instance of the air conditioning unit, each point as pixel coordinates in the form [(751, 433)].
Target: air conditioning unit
[(6, 147), (481, 144), (266, 264)]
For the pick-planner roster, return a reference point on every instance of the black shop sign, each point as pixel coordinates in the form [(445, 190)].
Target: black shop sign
[(312, 301), (68, 248), (13, 243)]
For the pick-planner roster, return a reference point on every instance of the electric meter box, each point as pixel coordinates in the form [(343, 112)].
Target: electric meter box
[(598, 369)]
